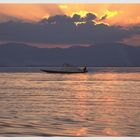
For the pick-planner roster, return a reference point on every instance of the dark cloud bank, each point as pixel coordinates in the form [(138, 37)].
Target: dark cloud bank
[(62, 29)]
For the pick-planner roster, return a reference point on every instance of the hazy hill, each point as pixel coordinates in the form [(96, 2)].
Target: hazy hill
[(115, 54)]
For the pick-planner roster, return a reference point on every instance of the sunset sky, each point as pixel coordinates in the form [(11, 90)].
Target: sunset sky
[(111, 15), (120, 14)]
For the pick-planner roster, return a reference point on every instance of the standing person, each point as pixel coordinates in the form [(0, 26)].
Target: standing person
[(85, 69)]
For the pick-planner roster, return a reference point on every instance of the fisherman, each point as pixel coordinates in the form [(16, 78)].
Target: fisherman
[(85, 69)]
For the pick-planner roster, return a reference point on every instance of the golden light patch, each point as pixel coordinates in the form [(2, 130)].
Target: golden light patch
[(110, 132), (45, 17), (111, 14), (77, 23), (63, 6), (99, 22), (82, 131)]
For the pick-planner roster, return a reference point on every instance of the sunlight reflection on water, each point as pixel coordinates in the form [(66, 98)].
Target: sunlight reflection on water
[(94, 104)]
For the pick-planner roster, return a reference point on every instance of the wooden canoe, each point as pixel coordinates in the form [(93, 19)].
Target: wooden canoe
[(63, 72)]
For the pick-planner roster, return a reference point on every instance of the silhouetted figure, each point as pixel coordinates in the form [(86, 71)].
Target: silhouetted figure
[(85, 69)]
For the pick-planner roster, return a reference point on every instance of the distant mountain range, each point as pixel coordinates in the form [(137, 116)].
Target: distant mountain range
[(114, 54)]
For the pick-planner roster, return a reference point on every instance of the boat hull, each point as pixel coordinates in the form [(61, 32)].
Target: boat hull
[(64, 72)]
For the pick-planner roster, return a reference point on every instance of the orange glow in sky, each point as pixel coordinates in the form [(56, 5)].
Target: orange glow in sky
[(118, 14)]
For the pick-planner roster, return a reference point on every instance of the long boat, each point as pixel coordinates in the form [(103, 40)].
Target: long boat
[(63, 72)]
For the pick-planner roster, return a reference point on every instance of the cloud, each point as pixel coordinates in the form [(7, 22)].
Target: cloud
[(76, 18), (62, 19), (62, 29), (5, 18), (134, 40), (103, 18), (90, 17)]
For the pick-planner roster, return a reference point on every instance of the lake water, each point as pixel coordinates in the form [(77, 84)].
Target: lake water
[(103, 102)]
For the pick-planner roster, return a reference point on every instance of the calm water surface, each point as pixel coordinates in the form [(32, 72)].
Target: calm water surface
[(103, 102)]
